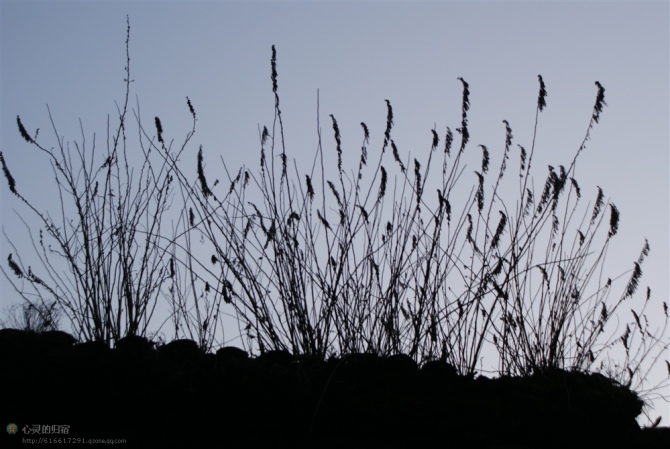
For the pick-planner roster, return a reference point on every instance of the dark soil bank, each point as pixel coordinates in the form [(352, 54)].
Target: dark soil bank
[(177, 396)]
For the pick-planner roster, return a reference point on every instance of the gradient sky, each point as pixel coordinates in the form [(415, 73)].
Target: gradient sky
[(71, 56)]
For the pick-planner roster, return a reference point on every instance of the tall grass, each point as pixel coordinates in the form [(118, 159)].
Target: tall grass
[(105, 267), (371, 261), (387, 258)]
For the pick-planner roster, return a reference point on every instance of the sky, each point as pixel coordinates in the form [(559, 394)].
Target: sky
[(71, 57)]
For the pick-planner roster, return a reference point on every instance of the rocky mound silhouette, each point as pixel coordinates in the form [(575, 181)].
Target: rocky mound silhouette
[(176, 395)]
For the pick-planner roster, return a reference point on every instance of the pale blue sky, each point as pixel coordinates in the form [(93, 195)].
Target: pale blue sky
[(71, 57)]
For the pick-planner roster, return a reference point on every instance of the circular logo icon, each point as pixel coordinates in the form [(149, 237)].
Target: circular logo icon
[(12, 428)]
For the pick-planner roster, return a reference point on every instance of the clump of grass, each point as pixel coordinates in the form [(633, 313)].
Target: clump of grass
[(102, 264), (39, 317), (359, 275)]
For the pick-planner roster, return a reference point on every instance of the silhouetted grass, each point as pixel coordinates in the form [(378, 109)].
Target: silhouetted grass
[(103, 266), (345, 275), (386, 259)]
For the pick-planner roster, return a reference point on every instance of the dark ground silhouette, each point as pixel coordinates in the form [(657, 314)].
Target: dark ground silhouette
[(177, 396)]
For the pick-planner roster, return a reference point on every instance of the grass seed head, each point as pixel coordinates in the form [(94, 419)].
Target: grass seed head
[(14, 266), (614, 220), (201, 176), (541, 98), (600, 102), (190, 107), (366, 133), (159, 129), (23, 132), (8, 175)]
